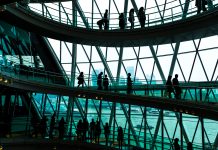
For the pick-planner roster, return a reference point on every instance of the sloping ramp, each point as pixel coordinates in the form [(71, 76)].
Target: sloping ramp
[(202, 109), (203, 25)]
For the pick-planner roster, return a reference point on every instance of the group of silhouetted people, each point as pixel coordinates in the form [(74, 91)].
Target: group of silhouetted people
[(200, 4), (122, 19), (172, 86), (41, 127), (102, 82), (176, 145), (92, 131)]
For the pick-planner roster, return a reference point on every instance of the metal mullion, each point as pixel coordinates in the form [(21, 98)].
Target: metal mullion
[(182, 127), (157, 63), (164, 7), (187, 2), (175, 54), (203, 66), (122, 62), (78, 104), (181, 5), (98, 8), (136, 65), (98, 112), (125, 9), (195, 131), (207, 138), (89, 59), (214, 70), (47, 11), (153, 67), (167, 134), (68, 48), (106, 56), (66, 13), (90, 67), (138, 59), (196, 47), (162, 20), (116, 7), (179, 66), (156, 131), (50, 102), (202, 132), (130, 123)]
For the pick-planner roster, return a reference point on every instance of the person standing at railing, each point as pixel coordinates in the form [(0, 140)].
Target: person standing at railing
[(131, 18), (97, 132), (80, 79), (61, 128), (129, 83), (52, 125), (43, 126), (106, 20), (141, 16), (200, 4), (99, 81), (79, 128), (85, 129), (106, 133), (105, 83), (189, 146), (176, 87), (176, 144), (122, 22), (92, 130), (169, 86), (120, 137)]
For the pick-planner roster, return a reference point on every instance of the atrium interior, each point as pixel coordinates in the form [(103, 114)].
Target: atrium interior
[(46, 44)]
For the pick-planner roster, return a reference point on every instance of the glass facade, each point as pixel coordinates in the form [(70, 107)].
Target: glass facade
[(144, 127)]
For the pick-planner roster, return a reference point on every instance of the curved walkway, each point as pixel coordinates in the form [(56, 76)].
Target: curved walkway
[(203, 109), (203, 25)]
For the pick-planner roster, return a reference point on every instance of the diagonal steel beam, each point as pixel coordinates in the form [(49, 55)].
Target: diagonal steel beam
[(157, 63)]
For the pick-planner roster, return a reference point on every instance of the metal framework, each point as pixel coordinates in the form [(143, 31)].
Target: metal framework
[(150, 66)]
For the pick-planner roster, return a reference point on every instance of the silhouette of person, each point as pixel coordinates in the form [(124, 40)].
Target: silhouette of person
[(35, 125), (131, 18), (99, 81), (92, 129), (106, 132), (141, 16), (176, 86), (120, 137), (52, 125), (121, 21), (189, 146), (105, 83), (85, 129), (169, 86), (106, 20), (80, 79), (129, 83), (200, 4), (176, 144), (61, 128), (100, 23), (43, 126), (97, 131), (79, 129)]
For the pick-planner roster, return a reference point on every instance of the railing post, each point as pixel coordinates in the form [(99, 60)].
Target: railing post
[(200, 94)]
